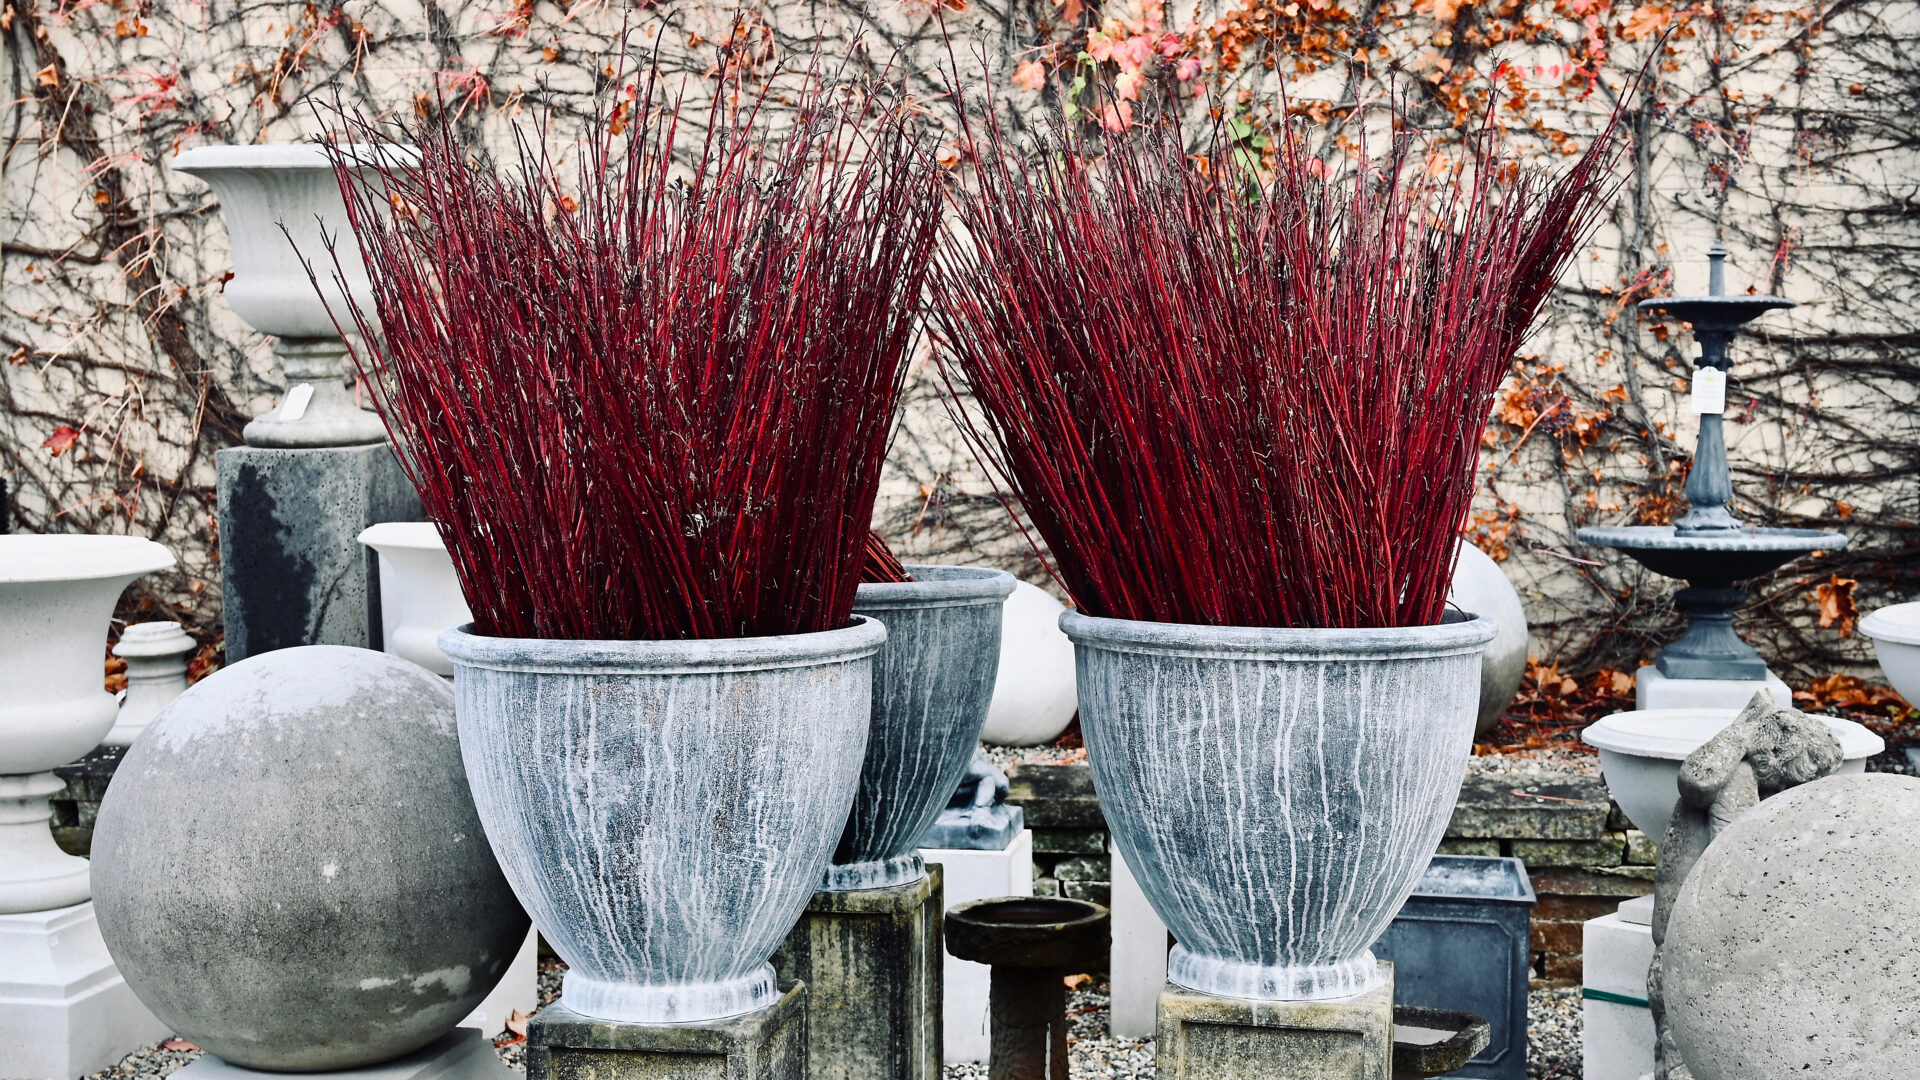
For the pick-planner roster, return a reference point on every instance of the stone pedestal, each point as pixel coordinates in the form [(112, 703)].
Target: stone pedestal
[(1652, 689), (871, 961), (64, 1009), (517, 991), (1202, 1037), (462, 1054), (971, 875), (770, 1044), (291, 568), (1616, 1034), (1138, 968)]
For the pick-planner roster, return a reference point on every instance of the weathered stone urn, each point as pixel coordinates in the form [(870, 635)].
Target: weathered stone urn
[(1277, 792), (932, 681), (664, 809)]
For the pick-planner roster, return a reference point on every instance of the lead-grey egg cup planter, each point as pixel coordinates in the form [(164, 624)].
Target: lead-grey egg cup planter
[(1277, 792), (664, 809), (932, 683)]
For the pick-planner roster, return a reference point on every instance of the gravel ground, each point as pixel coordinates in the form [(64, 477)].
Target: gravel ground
[(1525, 761), (1553, 1038), (1004, 756)]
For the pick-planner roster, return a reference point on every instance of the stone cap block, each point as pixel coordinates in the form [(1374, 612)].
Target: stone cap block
[(1537, 806), (1056, 796)]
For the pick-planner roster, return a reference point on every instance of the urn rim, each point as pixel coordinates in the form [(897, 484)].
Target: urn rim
[(860, 639), (38, 558), (1460, 633), (936, 586)]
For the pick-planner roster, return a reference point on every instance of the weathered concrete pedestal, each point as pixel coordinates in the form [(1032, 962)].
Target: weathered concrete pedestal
[(64, 1009), (871, 960), (1654, 690), (969, 875), (1616, 1031), (770, 1044), (292, 570), (1203, 1037), (461, 1054)]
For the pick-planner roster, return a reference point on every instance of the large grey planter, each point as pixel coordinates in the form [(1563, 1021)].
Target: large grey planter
[(932, 682), (1277, 792), (664, 809)]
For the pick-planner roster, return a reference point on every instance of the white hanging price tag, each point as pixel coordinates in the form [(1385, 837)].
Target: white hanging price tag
[(1709, 390), (295, 406)]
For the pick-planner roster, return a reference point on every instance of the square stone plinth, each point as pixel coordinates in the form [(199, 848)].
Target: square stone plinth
[(64, 1009), (461, 1054), (292, 569), (872, 962), (1652, 689), (770, 1044), (1202, 1037)]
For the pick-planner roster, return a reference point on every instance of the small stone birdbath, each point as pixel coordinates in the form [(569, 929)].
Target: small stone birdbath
[(1032, 943)]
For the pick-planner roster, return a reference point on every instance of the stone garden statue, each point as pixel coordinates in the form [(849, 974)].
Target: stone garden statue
[(978, 815), (1766, 750)]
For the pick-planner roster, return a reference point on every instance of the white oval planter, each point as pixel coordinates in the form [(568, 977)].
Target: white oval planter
[(932, 681), (1641, 753), (664, 809), (1895, 632), (261, 189), (420, 595), (1277, 793), (156, 656), (1480, 586), (1033, 695), (56, 598)]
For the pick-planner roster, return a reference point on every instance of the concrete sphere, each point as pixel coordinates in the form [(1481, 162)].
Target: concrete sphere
[(1033, 694), (1480, 586), (289, 870), (1791, 947)]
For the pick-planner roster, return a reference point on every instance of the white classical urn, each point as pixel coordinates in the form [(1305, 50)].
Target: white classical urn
[(1641, 753), (56, 598), (419, 593), (1895, 633), (282, 203), (156, 655)]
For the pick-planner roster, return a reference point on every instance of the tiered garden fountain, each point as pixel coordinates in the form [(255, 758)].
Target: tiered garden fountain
[(1709, 548)]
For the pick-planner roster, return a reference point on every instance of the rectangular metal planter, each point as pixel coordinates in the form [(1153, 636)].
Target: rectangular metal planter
[(1461, 942)]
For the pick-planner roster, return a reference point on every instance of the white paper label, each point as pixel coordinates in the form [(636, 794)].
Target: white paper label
[(1709, 390), (295, 406)]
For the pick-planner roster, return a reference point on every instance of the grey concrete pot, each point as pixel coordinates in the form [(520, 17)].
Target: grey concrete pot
[(1277, 792), (664, 809), (932, 682)]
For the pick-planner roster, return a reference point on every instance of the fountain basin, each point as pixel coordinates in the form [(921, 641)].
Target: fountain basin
[(1734, 555)]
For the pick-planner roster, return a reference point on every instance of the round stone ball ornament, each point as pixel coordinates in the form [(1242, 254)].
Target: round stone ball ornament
[(1791, 946), (289, 870)]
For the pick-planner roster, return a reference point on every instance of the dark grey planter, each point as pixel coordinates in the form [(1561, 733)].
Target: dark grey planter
[(664, 809), (932, 683), (1461, 942), (1277, 792)]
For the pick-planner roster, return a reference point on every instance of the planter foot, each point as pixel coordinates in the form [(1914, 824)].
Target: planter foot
[(768, 1044), (627, 1003), (1259, 982), (878, 874), (35, 875), (1209, 1037)]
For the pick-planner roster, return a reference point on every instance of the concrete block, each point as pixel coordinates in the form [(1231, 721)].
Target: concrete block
[(64, 1008), (1137, 970), (1056, 796), (1544, 806), (1617, 1026), (1608, 850), (462, 1054), (1642, 850), (1069, 841), (770, 1044), (1485, 848), (871, 960), (1202, 1037), (1654, 690), (1620, 881), (291, 569), (969, 875), (1082, 868), (1093, 892)]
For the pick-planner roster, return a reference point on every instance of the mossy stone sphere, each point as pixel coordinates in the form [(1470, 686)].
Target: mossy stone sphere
[(288, 868)]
